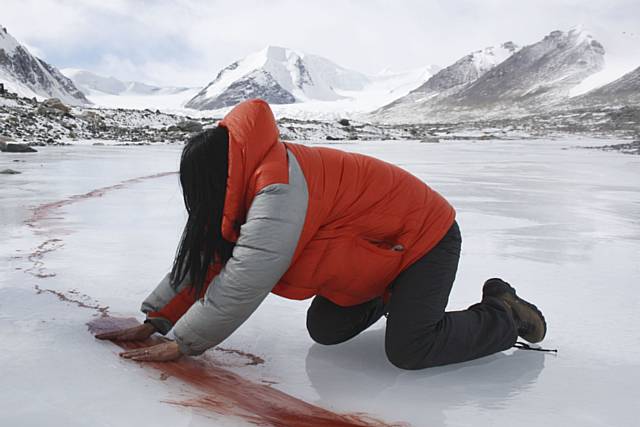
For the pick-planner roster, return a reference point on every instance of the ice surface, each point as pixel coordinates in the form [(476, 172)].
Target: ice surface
[(560, 223)]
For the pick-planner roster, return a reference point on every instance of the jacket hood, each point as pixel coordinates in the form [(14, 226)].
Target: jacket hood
[(252, 133)]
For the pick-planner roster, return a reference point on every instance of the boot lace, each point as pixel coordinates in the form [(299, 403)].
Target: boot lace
[(524, 346)]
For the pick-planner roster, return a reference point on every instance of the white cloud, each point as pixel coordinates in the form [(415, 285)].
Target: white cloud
[(186, 42)]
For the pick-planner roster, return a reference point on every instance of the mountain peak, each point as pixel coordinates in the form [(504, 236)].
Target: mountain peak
[(29, 76), (280, 76), (576, 35), (7, 42), (277, 53)]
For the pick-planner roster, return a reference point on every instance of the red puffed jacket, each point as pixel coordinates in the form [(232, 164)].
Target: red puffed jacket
[(306, 221)]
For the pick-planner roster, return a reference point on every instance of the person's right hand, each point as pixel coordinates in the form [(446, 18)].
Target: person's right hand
[(137, 333)]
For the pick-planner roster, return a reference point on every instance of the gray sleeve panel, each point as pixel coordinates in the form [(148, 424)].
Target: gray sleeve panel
[(159, 297), (261, 256)]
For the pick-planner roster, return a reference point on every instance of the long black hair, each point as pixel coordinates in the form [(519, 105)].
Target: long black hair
[(203, 177)]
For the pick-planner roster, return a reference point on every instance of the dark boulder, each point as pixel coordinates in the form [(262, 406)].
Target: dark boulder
[(189, 126), (9, 172), (53, 106), (17, 148)]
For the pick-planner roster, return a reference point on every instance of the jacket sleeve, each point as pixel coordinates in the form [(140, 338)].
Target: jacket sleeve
[(160, 306), (261, 256)]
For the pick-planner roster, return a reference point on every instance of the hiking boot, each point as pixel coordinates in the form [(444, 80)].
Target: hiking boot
[(529, 320)]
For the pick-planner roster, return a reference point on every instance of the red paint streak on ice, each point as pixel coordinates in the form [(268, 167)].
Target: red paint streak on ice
[(227, 393), (35, 257), (75, 297), (253, 359), (44, 211)]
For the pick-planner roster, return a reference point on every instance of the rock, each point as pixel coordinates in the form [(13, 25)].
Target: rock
[(53, 106), (430, 139), (56, 104), (189, 126), (344, 122), (333, 138), (93, 119), (9, 172), (19, 148)]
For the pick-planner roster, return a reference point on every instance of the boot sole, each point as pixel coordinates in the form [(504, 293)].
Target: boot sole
[(501, 289)]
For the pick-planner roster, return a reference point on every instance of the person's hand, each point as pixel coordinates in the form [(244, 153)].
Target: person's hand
[(164, 352), (137, 333)]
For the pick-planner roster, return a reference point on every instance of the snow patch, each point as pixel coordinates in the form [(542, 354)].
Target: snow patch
[(607, 75)]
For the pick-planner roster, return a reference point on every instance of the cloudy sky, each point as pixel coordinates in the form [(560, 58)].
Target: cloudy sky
[(186, 42)]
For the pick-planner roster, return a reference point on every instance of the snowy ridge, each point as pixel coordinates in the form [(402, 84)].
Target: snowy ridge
[(111, 92), (91, 83), (469, 68), (32, 77)]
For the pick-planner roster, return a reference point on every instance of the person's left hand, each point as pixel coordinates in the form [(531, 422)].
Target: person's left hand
[(164, 352)]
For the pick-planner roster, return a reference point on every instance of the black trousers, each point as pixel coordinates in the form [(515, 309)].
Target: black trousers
[(419, 332)]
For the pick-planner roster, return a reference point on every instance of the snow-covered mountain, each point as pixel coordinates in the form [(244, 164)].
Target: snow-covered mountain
[(29, 76), (114, 93), (280, 76), (540, 73), (534, 77), (465, 70), (623, 91), (91, 83)]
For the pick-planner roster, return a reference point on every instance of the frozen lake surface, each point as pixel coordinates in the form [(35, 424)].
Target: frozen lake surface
[(561, 224)]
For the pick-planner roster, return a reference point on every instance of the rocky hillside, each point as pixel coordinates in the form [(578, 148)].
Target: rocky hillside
[(51, 122), (454, 77), (23, 73)]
